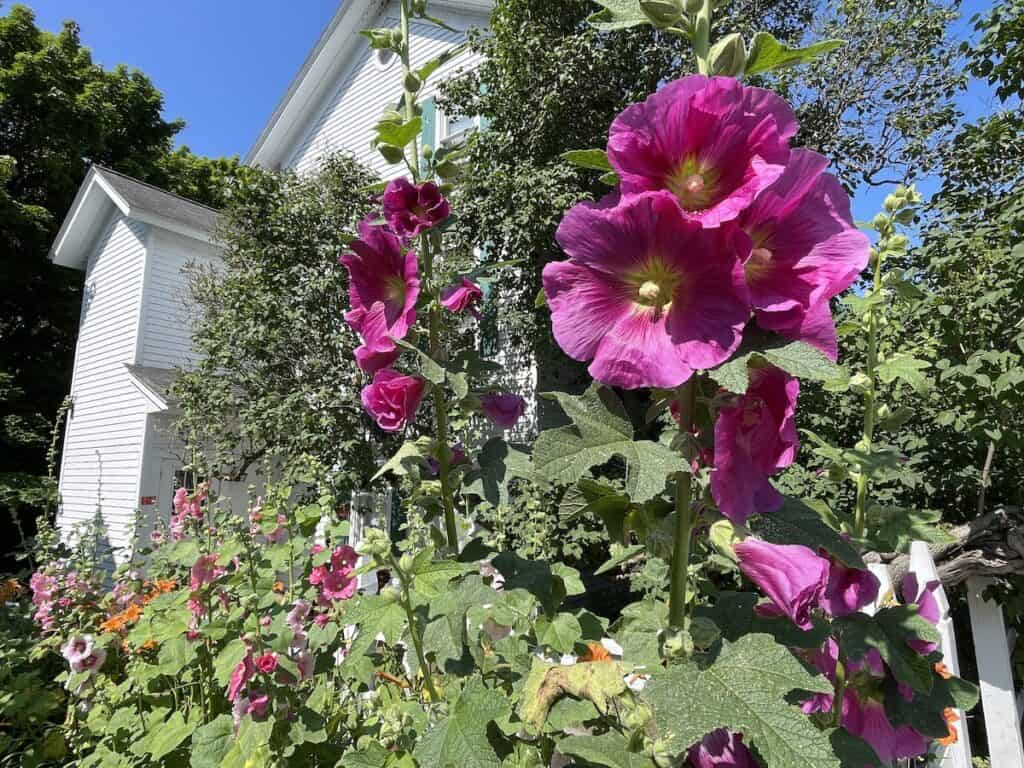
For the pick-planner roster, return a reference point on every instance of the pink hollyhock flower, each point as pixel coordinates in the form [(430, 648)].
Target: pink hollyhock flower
[(258, 703), (393, 399), (791, 575), (927, 608), (305, 661), (336, 579), (280, 533), (754, 439), (296, 619), (383, 288), (77, 649), (410, 209), (721, 749), (243, 672), (204, 571), (647, 295), (458, 457), (321, 620), (266, 663), (712, 142), (848, 589), (503, 410), (462, 297), (805, 250)]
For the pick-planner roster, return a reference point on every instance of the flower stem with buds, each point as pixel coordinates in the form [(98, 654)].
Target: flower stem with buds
[(414, 632), (701, 37)]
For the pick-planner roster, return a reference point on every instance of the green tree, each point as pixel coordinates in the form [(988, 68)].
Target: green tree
[(277, 378), (59, 112)]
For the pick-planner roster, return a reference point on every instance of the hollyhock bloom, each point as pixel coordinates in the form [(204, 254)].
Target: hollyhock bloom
[(503, 410), (296, 618), (336, 580), (243, 672), (791, 575), (393, 399), (848, 589), (647, 295), (383, 288), (754, 439), (712, 142), (305, 661), (462, 297), (204, 571), (77, 649), (721, 749), (280, 533), (412, 208), (805, 249), (266, 663), (927, 608), (458, 457), (258, 703)]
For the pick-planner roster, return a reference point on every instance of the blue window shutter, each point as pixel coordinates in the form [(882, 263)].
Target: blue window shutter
[(484, 122), (428, 135)]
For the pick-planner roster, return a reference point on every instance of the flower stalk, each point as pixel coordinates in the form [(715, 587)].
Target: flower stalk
[(414, 632), (680, 573), (701, 37)]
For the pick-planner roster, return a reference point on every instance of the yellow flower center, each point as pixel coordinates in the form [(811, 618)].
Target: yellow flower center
[(693, 183), (655, 285), (396, 289), (757, 264)]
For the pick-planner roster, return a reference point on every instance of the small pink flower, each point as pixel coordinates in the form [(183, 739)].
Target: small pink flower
[(503, 410), (792, 576), (258, 704), (393, 399), (462, 297), (754, 439), (336, 580), (383, 288), (712, 142), (410, 209), (721, 749), (266, 663), (927, 607), (77, 648), (204, 571), (243, 672), (321, 620), (305, 661), (297, 616), (848, 589)]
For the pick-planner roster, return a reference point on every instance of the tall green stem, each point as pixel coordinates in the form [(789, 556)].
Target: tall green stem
[(414, 632), (684, 520), (410, 96), (868, 433), (702, 38)]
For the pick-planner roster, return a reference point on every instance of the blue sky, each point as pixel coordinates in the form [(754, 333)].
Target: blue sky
[(224, 64)]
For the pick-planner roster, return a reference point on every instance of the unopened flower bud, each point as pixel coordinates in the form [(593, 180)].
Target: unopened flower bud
[(693, 6), (396, 38), (662, 13), (389, 594), (676, 643), (880, 222), (406, 562), (427, 151), (662, 754), (412, 82), (391, 154), (898, 243), (722, 535), (729, 56)]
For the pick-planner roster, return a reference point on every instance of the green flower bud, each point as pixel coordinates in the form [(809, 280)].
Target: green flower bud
[(412, 82), (662, 755), (391, 154), (693, 6), (898, 243), (427, 151), (390, 595), (406, 562), (837, 473), (880, 223), (722, 535), (662, 13), (396, 38), (728, 56), (676, 643), (376, 544), (860, 383)]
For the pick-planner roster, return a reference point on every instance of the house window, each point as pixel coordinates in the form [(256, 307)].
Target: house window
[(187, 479), (454, 128)]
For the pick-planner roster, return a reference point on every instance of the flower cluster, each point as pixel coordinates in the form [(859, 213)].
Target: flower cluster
[(58, 589), (188, 507)]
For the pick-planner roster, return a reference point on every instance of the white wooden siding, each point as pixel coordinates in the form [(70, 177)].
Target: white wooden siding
[(345, 122), (166, 334), (102, 446)]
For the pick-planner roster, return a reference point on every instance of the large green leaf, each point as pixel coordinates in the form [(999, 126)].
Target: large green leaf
[(796, 358), (766, 53), (888, 632), (608, 749), (497, 464), (163, 738), (925, 714), (618, 14), (533, 576), (892, 529), (744, 690), (593, 159), (460, 740), (373, 755), (798, 523), (211, 742), (560, 632), (600, 431)]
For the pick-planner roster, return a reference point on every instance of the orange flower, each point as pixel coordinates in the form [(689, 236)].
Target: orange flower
[(279, 587), (942, 670), (116, 623), (950, 717), (9, 590), (596, 652), (149, 645)]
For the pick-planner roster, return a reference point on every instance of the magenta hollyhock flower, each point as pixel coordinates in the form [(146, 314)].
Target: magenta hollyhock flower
[(393, 399), (503, 410), (258, 703), (383, 288), (712, 142), (243, 672), (305, 661), (412, 208), (462, 297), (266, 663), (336, 579), (754, 439), (805, 250), (792, 576), (647, 295), (848, 589), (865, 718), (721, 749), (927, 607)]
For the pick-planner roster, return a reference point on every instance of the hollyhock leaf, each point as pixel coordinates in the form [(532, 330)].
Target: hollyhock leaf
[(408, 456), (924, 713), (905, 368), (798, 523), (461, 738), (163, 738), (598, 682), (609, 504), (371, 756), (568, 714), (734, 614), (374, 615), (561, 633), (228, 658), (307, 728), (608, 749), (888, 632), (496, 464), (618, 14), (426, 70), (892, 529), (853, 751), (432, 579), (796, 358), (611, 179), (211, 742), (176, 654), (533, 576), (620, 555), (600, 431), (767, 54), (594, 159), (743, 690), (430, 369), (398, 134)]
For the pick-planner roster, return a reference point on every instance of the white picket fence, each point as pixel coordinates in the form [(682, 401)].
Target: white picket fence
[(992, 647)]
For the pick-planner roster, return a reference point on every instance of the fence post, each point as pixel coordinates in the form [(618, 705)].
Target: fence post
[(957, 755), (998, 699)]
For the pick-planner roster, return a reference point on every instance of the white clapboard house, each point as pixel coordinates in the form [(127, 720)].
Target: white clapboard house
[(133, 242)]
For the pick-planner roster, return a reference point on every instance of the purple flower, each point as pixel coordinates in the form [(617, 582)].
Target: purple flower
[(503, 410), (410, 209), (647, 295), (393, 399), (848, 589), (805, 250), (927, 607), (383, 288), (721, 749), (462, 297), (754, 439), (713, 143), (791, 575)]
